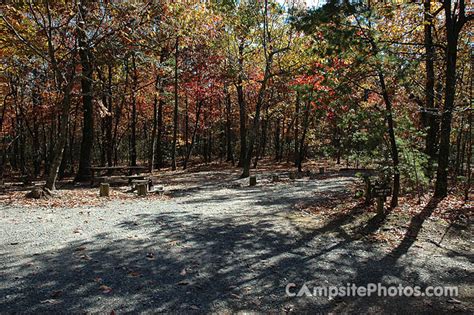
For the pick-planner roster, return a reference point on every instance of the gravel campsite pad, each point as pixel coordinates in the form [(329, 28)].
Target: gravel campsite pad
[(214, 244)]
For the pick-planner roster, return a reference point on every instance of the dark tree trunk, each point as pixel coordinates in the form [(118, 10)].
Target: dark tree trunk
[(109, 141), (62, 138), (393, 143), (133, 136), (175, 111), (431, 121), (159, 137), (228, 127), (277, 139), (297, 122), (300, 154), (153, 140), (242, 107), (454, 24), (186, 124), (193, 136), (85, 55)]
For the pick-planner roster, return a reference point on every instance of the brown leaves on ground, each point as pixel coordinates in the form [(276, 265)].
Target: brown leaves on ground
[(72, 198), (342, 209)]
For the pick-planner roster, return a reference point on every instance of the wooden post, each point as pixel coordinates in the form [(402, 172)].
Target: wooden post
[(253, 180), (141, 189), (368, 190), (380, 202), (104, 189)]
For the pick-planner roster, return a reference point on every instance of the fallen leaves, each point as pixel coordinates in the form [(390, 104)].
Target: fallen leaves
[(71, 198)]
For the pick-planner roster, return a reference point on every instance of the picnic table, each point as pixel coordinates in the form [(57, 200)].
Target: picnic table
[(109, 170)]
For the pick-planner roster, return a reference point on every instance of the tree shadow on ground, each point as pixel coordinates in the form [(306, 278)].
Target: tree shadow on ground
[(182, 261), (399, 266)]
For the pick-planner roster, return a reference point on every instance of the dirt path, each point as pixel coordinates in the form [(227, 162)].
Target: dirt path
[(216, 245)]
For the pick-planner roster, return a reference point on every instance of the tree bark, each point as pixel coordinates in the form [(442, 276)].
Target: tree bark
[(228, 127), (85, 55), (454, 24), (431, 121), (300, 152), (242, 106), (175, 111), (193, 136), (297, 136), (133, 136), (62, 138), (393, 143)]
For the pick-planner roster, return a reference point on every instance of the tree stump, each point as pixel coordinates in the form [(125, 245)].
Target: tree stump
[(292, 175), (275, 178), (321, 170), (39, 193), (253, 180), (141, 189), (104, 189)]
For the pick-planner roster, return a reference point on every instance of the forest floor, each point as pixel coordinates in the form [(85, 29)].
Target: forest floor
[(214, 244)]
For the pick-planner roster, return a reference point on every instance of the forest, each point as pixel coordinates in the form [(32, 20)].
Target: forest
[(168, 84), (187, 91)]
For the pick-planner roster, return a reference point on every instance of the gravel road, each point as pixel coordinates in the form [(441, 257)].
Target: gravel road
[(216, 245)]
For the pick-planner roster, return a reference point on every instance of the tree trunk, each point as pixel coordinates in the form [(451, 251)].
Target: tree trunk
[(393, 143), (109, 141), (175, 112), (85, 55), (193, 137), (452, 33), (300, 154), (431, 121), (159, 137), (277, 140), (133, 136), (242, 107), (61, 141), (228, 127), (297, 136)]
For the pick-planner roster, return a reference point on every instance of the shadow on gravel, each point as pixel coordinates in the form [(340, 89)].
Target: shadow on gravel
[(186, 262), (397, 267)]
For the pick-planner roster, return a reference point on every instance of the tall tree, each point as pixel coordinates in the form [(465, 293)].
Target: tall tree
[(456, 18), (86, 58)]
